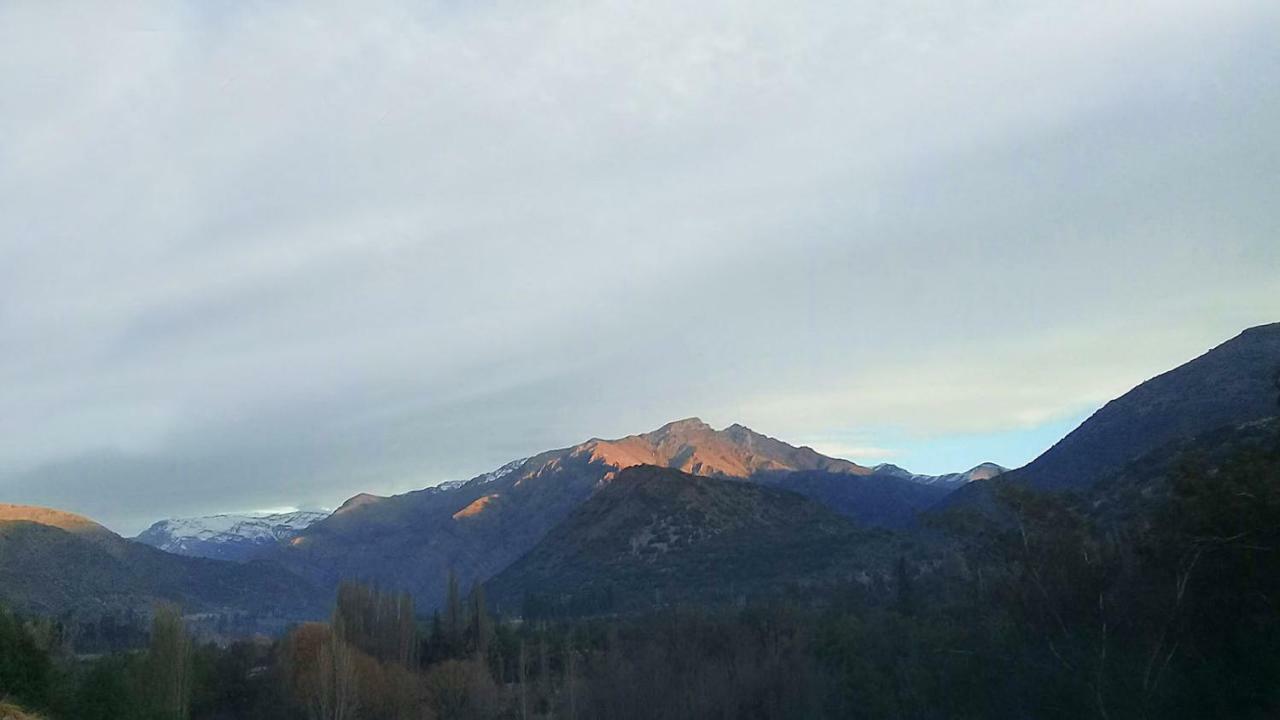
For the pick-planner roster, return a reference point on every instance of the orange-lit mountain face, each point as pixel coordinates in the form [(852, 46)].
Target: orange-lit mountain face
[(69, 522), (695, 447)]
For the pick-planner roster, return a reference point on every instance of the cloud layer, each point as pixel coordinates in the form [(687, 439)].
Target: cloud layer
[(264, 254)]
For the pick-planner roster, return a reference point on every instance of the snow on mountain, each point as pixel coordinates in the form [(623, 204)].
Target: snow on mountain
[(482, 479), (984, 471), (226, 537), (500, 473)]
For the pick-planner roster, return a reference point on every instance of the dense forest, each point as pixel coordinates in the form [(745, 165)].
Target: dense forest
[(1045, 609)]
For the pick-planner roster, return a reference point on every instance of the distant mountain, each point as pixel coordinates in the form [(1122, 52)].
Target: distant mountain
[(479, 527), (52, 562), (226, 537), (658, 536), (985, 471)]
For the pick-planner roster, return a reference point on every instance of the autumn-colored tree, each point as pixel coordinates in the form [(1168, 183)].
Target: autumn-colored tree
[(321, 672)]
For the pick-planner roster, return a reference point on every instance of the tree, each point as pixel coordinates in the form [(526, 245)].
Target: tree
[(480, 626), (460, 690), (321, 671), (522, 675), (25, 670), (1213, 553), (906, 601), (169, 660), (379, 624), (454, 618)]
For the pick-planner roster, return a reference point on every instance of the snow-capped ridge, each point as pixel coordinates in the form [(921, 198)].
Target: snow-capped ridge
[(227, 536), (500, 473), (982, 471)]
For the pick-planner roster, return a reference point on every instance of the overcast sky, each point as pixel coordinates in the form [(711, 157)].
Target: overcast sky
[(259, 255)]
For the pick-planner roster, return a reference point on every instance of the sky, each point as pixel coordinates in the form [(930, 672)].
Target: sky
[(273, 254)]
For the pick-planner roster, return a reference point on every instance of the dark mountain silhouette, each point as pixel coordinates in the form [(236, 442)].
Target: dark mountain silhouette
[(1233, 384)]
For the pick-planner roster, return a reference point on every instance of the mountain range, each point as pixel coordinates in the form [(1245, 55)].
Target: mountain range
[(984, 471), (685, 512), (478, 528)]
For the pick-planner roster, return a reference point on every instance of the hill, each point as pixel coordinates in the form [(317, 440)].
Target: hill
[(657, 536)]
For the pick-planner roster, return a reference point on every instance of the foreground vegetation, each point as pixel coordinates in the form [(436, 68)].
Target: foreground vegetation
[(1043, 610)]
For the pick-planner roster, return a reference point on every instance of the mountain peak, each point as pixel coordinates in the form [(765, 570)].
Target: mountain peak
[(687, 426), (358, 500), (692, 446)]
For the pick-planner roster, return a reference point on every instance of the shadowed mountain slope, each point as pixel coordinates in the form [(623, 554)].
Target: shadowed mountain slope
[(1139, 489), (1235, 383), (871, 500), (657, 536)]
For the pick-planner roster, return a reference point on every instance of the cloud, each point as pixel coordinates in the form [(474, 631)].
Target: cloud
[(857, 453), (297, 251)]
